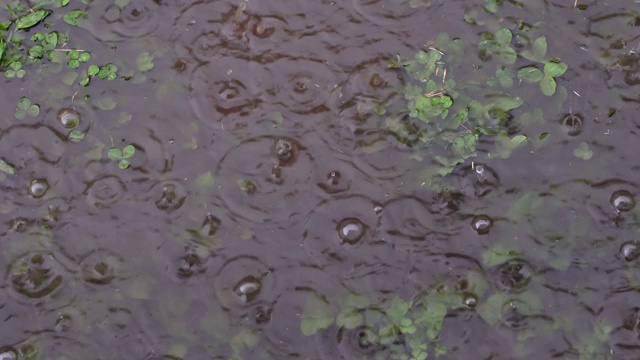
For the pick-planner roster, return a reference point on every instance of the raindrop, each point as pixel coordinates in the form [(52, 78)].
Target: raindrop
[(101, 267), (512, 316), (630, 250), (622, 200), (376, 80), (377, 208), (179, 65), (172, 198), (481, 224), (36, 275), (69, 118), (333, 178), (515, 274), (105, 191), (351, 230), (190, 266), (286, 151), (262, 314), (248, 288), (63, 323), (572, 123), (20, 224), (38, 188), (365, 340)]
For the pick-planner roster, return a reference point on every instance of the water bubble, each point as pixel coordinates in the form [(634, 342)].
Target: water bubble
[(69, 118), (622, 200), (7, 353), (38, 187), (179, 65), (515, 274), (470, 300), (351, 230), (630, 250), (248, 288), (572, 123), (286, 151), (481, 224)]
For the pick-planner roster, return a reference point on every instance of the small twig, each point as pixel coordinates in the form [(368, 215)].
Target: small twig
[(67, 50)]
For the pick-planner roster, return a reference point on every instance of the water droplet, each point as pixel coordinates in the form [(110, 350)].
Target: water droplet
[(69, 118), (101, 267), (364, 340), (38, 187), (179, 66), (190, 266), (515, 274), (63, 323), (377, 208), (261, 314), (512, 316), (333, 178), (572, 123), (630, 250), (351, 230), (248, 288), (172, 198), (481, 224), (286, 151), (622, 200)]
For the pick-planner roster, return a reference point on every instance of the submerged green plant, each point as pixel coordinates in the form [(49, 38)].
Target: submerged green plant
[(25, 107), (121, 155)]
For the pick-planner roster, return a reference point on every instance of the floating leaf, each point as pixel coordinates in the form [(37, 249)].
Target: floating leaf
[(497, 255), (124, 164), (506, 102), (503, 75), (7, 168), (205, 181), (548, 85), (530, 74), (128, 151), (583, 152), (503, 36), (114, 154), (349, 319), (317, 315), (144, 62), (72, 17), (554, 69), (538, 50), (93, 70), (76, 135), (31, 19), (506, 145)]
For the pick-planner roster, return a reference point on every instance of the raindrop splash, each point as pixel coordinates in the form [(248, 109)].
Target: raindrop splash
[(622, 201), (351, 230), (481, 224)]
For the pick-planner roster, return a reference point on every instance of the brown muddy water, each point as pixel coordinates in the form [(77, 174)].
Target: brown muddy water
[(270, 213)]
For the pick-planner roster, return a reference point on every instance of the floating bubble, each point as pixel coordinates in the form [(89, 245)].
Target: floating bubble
[(572, 123), (351, 230), (69, 118), (515, 275), (8, 353), (38, 187), (481, 224), (248, 289), (470, 300), (630, 250), (622, 200), (243, 281)]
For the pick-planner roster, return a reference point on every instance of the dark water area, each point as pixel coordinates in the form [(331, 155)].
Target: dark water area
[(271, 211)]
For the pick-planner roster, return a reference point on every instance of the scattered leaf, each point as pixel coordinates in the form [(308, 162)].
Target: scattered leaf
[(583, 152), (72, 18), (31, 19)]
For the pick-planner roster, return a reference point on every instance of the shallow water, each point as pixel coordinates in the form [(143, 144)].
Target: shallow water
[(268, 213)]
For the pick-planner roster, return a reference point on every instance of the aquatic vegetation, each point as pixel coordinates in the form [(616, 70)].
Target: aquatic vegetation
[(121, 155), (25, 107)]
